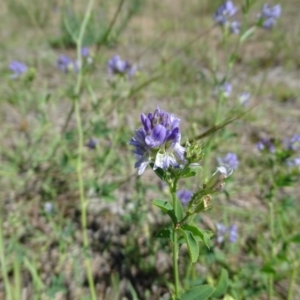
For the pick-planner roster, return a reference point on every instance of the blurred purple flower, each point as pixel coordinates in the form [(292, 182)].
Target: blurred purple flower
[(85, 52), (223, 232), (18, 68), (224, 89), (293, 143), (64, 63), (230, 160), (92, 143), (271, 12), (117, 66), (265, 144), (227, 9), (233, 234), (184, 196), (235, 27), (48, 207), (269, 15), (158, 142), (295, 162)]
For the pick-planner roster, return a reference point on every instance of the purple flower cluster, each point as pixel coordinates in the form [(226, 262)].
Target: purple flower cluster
[(293, 143), (117, 66), (18, 68), (269, 15), (184, 196), (294, 162), (66, 64), (158, 142), (230, 160), (222, 15), (265, 144), (223, 232)]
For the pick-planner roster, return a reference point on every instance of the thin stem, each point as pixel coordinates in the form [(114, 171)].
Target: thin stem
[(83, 202), (292, 283), (175, 243), (272, 231), (3, 263)]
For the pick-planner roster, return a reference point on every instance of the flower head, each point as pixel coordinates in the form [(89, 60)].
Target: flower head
[(117, 66), (18, 68), (92, 143), (158, 142), (226, 232), (222, 15), (85, 52), (221, 232), (235, 27), (230, 159), (233, 233), (295, 162), (184, 196), (265, 144), (227, 9), (269, 15), (64, 63), (293, 144)]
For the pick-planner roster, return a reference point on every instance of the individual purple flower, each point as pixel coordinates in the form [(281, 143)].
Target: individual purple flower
[(92, 143), (294, 162), (85, 52), (233, 234), (265, 144), (117, 66), (230, 159), (184, 196), (235, 27), (48, 207), (224, 89), (221, 232), (158, 142), (64, 63), (269, 15), (293, 143), (227, 9), (224, 232), (18, 68)]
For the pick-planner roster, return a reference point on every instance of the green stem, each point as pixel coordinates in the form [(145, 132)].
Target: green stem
[(271, 224), (175, 243), (292, 283), (3, 263), (83, 202)]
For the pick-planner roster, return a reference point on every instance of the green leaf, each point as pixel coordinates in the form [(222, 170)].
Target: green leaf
[(190, 171), (160, 173), (201, 292), (164, 233), (268, 269), (222, 284), (166, 207), (203, 235), (247, 34), (179, 210), (192, 244), (295, 239)]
